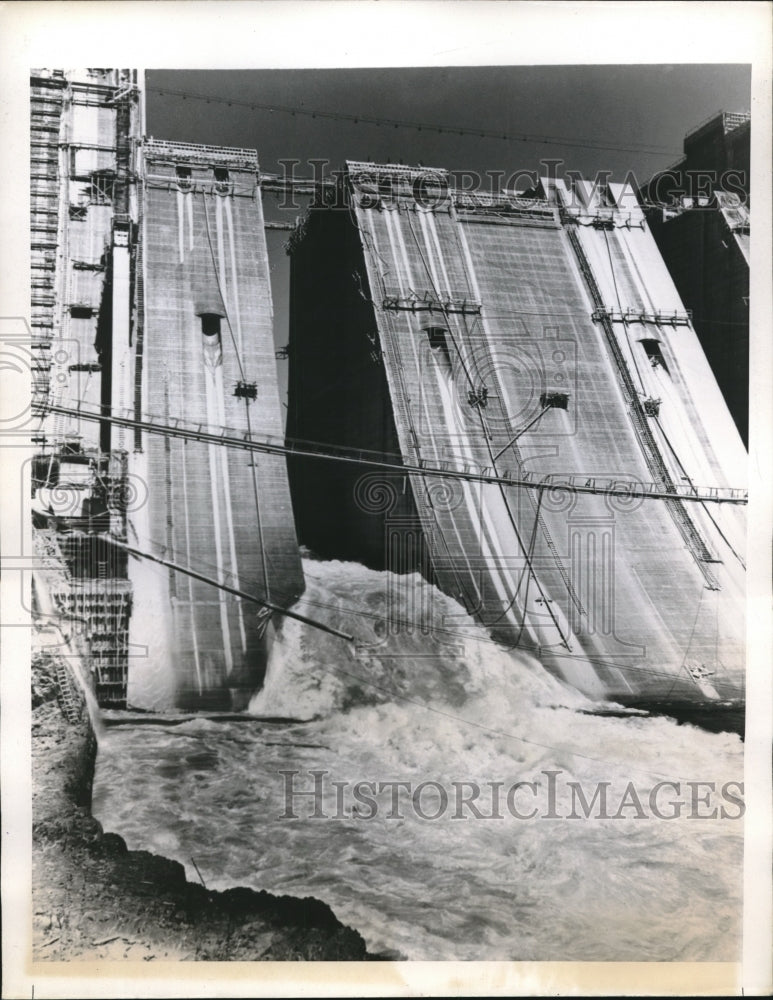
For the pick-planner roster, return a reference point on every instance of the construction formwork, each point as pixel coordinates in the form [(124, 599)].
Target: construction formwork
[(92, 612), (47, 91), (503, 334), (83, 130), (84, 126)]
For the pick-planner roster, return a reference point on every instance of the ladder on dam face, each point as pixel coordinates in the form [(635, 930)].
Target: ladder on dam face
[(422, 499), (539, 521), (66, 698), (649, 446)]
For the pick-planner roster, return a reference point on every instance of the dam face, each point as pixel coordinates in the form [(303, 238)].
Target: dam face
[(207, 357), (537, 339)]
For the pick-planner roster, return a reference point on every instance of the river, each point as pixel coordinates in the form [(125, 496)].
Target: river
[(450, 779)]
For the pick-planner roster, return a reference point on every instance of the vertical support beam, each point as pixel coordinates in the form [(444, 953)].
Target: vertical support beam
[(120, 374)]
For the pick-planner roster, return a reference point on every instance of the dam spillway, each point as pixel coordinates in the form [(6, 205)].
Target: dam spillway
[(207, 356), (537, 337)]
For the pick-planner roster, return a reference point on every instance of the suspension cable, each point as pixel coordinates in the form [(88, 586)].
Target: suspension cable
[(377, 460), (229, 590)]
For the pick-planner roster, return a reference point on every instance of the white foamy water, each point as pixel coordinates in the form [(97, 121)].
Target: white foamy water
[(438, 702)]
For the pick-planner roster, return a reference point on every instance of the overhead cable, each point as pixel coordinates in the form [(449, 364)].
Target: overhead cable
[(481, 133)]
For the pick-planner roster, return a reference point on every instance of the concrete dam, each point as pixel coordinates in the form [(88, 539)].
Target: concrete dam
[(503, 393), (540, 339), (154, 309), (207, 356)]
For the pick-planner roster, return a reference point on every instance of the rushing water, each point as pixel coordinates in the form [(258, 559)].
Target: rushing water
[(439, 702)]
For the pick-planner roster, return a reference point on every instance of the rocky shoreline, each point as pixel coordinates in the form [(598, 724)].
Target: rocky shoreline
[(94, 899)]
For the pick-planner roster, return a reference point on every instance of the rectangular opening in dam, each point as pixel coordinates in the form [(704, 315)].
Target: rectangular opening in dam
[(654, 353), (437, 340), (183, 177)]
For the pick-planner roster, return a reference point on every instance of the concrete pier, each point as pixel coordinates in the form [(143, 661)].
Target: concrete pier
[(542, 337)]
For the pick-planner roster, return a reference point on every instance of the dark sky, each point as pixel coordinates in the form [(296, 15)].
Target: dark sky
[(642, 112), (629, 107)]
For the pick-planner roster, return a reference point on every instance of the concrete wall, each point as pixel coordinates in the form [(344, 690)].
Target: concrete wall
[(704, 239), (337, 395), (224, 513), (711, 273), (619, 598)]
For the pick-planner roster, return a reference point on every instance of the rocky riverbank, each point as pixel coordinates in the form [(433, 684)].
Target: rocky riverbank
[(94, 899)]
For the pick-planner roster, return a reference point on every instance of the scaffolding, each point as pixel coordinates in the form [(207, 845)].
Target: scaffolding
[(629, 316), (97, 611)]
